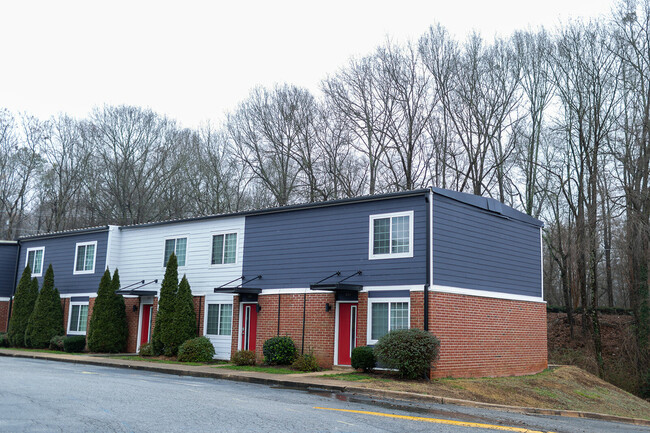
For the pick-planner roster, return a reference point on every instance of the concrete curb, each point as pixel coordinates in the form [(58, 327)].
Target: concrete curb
[(307, 383)]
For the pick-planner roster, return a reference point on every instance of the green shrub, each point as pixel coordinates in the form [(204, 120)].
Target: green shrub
[(162, 337), (364, 358), (23, 306), (305, 362), (183, 325), (4, 340), (644, 386), (243, 357), (146, 350), (74, 343), (198, 349), (279, 351), (56, 343), (107, 329), (410, 351), (46, 320)]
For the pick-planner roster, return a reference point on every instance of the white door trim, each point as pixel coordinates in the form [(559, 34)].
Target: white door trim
[(336, 328), (143, 301)]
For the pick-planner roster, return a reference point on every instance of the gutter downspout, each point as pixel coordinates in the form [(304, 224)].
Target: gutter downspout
[(13, 290), (428, 201)]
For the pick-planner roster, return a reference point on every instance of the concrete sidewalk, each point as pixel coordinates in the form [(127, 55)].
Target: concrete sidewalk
[(307, 381)]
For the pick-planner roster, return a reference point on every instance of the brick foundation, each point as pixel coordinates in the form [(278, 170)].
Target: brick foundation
[(484, 336), (4, 315)]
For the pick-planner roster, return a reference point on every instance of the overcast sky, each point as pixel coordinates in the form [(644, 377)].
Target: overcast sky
[(195, 60)]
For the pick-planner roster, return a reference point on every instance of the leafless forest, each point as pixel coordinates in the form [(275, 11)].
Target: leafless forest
[(555, 123)]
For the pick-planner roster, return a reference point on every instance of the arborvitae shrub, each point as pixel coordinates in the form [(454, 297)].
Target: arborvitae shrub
[(56, 343), (146, 350), (279, 351), (184, 323), (23, 306), (46, 320), (410, 351), (305, 362), (363, 357), (74, 343), (243, 357), (198, 349), (107, 329), (162, 337)]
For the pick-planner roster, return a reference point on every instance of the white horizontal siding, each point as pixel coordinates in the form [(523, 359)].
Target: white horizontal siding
[(139, 253)]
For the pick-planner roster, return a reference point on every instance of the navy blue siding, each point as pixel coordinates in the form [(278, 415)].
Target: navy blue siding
[(298, 248), (60, 252), (477, 249), (8, 254)]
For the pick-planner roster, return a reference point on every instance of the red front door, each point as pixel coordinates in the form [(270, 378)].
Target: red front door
[(146, 324), (249, 330), (347, 332)]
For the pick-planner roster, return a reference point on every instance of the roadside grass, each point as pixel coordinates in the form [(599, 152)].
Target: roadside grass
[(160, 361), (60, 352), (260, 369), (565, 388)]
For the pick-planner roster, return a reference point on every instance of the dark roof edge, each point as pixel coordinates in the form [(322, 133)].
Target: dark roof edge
[(64, 233), (289, 208), (490, 205)]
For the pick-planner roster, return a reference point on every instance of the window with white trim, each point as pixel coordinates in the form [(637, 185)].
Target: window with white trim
[(35, 260), (219, 319), (177, 246), (387, 315), (391, 235), (224, 249), (78, 318), (84, 261)]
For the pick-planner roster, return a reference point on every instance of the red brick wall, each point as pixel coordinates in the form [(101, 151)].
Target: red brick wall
[(65, 304), (132, 319), (485, 336), (235, 324), (319, 324), (4, 312), (199, 310)]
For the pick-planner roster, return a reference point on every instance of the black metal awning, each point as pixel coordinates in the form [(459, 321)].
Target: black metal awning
[(338, 286), (136, 289), (239, 289)]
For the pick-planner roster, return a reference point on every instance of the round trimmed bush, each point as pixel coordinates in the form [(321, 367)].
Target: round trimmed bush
[(146, 350), (74, 343), (305, 362), (410, 351), (279, 351), (243, 357), (56, 343), (198, 349), (364, 358)]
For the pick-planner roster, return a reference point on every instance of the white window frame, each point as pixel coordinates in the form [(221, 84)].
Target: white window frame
[(35, 274), (232, 315), (187, 247), (384, 301), (80, 304), (371, 232), (224, 233), (76, 254)]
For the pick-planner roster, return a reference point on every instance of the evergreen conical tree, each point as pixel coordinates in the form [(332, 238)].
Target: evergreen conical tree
[(184, 323), (23, 306), (162, 337), (46, 320), (107, 330)]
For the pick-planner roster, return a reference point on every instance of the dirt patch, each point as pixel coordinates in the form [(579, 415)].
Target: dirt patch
[(567, 388)]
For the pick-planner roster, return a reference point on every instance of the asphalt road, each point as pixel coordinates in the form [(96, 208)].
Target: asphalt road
[(48, 396)]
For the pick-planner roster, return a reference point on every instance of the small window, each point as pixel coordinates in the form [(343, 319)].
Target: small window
[(84, 262), (386, 316), (224, 249), (219, 319), (177, 246), (391, 235), (35, 260), (78, 319)]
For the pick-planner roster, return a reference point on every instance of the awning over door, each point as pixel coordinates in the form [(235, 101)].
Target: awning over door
[(136, 289)]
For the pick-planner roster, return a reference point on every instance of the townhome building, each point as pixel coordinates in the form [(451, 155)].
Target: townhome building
[(331, 275)]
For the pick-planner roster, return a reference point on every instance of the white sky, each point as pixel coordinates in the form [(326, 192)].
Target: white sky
[(196, 60)]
